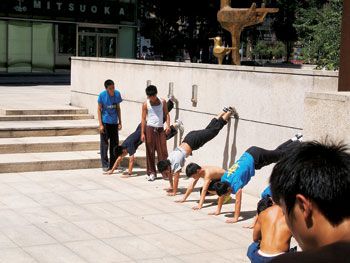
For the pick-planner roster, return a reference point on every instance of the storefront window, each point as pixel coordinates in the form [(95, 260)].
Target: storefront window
[(43, 47), (3, 46), (67, 39)]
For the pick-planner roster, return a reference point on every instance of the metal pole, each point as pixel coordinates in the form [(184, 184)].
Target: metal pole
[(344, 71)]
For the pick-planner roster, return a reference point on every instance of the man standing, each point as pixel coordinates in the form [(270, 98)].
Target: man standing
[(109, 118), (154, 111)]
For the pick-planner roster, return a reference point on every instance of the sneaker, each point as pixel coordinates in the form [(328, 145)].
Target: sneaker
[(147, 177), (180, 125), (234, 112), (225, 109), (105, 169), (152, 177)]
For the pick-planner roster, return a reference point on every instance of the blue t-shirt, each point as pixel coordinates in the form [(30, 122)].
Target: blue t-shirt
[(109, 110), (267, 192), (240, 173)]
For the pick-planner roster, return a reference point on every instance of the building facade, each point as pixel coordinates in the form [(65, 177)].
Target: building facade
[(42, 35)]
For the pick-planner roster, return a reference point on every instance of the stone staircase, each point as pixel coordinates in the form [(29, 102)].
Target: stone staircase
[(50, 139)]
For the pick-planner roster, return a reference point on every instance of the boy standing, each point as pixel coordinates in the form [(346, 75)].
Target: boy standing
[(154, 111), (110, 122)]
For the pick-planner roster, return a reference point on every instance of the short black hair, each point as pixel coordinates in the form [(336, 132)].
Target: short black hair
[(264, 203), (221, 188), (151, 90), (163, 165), (108, 83), (192, 169), (320, 172), (118, 150)]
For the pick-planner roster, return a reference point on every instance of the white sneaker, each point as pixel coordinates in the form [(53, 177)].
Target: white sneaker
[(152, 177), (147, 177), (180, 125)]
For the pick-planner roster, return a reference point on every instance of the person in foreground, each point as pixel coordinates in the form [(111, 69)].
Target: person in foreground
[(243, 170), (271, 234), (312, 186), (171, 167)]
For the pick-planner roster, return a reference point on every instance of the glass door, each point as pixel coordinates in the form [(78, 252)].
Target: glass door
[(87, 45), (107, 46)]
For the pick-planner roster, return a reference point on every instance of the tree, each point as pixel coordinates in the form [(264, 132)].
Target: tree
[(319, 31)]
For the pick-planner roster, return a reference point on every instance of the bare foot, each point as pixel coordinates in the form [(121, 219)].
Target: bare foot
[(171, 194), (169, 190), (125, 176), (213, 214), (232, 220), (249, 226)]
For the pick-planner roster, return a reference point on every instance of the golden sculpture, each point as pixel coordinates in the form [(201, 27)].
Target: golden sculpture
[(235, 20), (219, 50)]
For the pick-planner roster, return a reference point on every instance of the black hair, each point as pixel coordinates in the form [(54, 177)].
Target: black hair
[(151, 90), (318, 171), (192, 169), (163, 165), (221, 188), (118, 150), (263, 204), (108, 83)]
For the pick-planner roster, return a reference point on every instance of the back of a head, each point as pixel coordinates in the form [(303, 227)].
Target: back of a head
[(263, 204), (221, 188), (108, 83), (192, 169), (151, 90), (318, 171), (163, 165)]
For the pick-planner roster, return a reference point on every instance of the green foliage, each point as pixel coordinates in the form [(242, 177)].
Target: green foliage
[(269, 51), (319, 31)]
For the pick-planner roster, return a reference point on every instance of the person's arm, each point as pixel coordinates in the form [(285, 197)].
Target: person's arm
[(188, 191), (203, 194), (116, 164), (219, 207), (143, 121), (119, 113), (257, 231), (167, 117), (99, 117), (237, 207), (176, 183)]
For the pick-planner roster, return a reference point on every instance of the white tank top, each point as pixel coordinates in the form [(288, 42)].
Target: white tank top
[(155, 114)]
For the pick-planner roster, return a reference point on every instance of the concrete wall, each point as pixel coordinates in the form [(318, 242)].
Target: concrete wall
[(270, 101), (327, 116)]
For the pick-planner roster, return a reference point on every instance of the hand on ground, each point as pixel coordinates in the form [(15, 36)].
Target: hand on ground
[(196, 208), (179, 201), (171, 194), (232, 220)]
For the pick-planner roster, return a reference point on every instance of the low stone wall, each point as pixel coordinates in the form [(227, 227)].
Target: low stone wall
[(270, 101)]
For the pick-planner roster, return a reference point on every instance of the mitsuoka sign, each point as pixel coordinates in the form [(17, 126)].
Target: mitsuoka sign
[(94, 11)]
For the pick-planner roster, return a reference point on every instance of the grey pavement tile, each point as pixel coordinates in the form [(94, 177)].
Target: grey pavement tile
[(39, 215), (73, 212), (58, 185), (49, 199), (234, 255), (15, 255), (10, 218), (65, 231), (106, 210), (101, 228), (83, 184), (12, 178), (80, 197), (169, 222), (97, 251), (5, 242), (172, 244), (53, 254), (6, 189), (28, 236), (28, 187), (136, 248), (206, 239), (137, 208), (18, 201), (136, 225), (204, 258), (161, 260)]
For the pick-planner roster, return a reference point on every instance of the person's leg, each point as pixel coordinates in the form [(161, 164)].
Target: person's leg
[(104, 149), (252, 249), (161, 147), (150, 150), (113, 142)]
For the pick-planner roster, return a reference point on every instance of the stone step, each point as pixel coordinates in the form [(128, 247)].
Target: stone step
[(49, 144), (29, 162), (46, 117), (10, 129), (65, 111)]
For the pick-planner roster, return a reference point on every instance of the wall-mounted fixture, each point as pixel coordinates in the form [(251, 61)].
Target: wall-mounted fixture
[(194, 95), (148, 83), (171, 90)]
